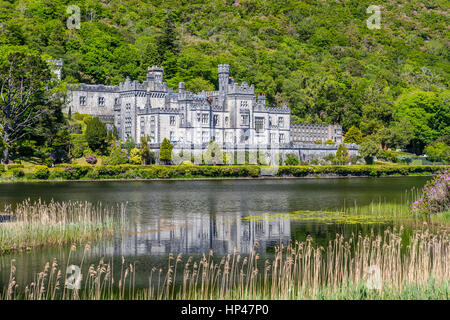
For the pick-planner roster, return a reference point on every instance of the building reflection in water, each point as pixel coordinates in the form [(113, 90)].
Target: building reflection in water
[(198, 233)]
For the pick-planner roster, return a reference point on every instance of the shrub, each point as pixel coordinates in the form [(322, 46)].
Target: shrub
[(291, 160), (2, 167), (353, 135), (129, 144), (78, 116), (15, 166), (435, 196), (135, 156), (79, 145), (91, 159), (18, 173), (96, 134), (117, 157), (329, 141), (75, 172), (165, 152), (369, 149), (41, 172)]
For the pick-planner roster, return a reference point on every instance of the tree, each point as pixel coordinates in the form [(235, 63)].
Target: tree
[(397, 135), (129, 144), (428, 113), (369, 149), (167, 41), (438, 151), (291, 160), (135, 156), (117, 157), (199, 84), (342, 154), (96, 134), (26, 101), (165, 152), (353, 135), (213, 154), (148, 157)]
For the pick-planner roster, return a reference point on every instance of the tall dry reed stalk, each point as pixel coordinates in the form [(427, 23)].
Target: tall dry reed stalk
[(58, 223), (418, 268)]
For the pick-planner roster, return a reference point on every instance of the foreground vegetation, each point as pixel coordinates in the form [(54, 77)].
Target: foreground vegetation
[(386, 266), (88, 172), (38, 224)]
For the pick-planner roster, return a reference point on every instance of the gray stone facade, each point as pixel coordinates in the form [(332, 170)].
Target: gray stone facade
[(310, 133), (234, 116)]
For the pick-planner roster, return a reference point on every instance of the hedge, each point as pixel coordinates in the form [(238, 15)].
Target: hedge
[(76, 172)]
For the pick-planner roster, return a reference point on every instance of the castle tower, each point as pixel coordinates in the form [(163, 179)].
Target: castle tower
[(224, 73), (155, 74)]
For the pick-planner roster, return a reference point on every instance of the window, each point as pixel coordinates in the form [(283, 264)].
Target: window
[(215, 120), (172, 136), (82, 100), (270, 121), (244, 119), (281, 138), (205, 136), (152, 121), (273, 137), (259, 124), (244, 104), (280, 122), (116, 101), (172, 120), (182, 118), (226, 121), (204, 118), (101, 101)]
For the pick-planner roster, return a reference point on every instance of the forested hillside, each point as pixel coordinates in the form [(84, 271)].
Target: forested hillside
[(319, 56)]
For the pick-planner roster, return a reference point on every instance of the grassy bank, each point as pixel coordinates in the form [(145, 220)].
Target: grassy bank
[(385, 266), (95, 172), (37, 224)]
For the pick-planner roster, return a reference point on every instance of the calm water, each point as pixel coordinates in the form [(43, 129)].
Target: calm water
[(191, 217)]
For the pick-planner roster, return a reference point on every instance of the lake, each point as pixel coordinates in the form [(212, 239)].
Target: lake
[(192, 217)]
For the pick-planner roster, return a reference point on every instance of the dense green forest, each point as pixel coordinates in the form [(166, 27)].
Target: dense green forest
[(319, 56)]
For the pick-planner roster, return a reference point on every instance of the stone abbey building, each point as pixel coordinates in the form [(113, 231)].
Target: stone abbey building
[(232, 116)]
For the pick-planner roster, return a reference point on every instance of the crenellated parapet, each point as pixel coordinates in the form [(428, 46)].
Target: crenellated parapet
[(244, 88), (95, 88)]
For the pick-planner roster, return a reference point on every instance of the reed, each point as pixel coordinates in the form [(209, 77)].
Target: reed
[(415, 269), (57, 223)]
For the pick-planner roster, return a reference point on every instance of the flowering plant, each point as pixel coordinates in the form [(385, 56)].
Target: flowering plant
[(91, 159), (435, 196)]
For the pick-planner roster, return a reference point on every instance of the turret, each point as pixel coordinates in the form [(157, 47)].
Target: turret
[(155, 74), (224, 73)]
